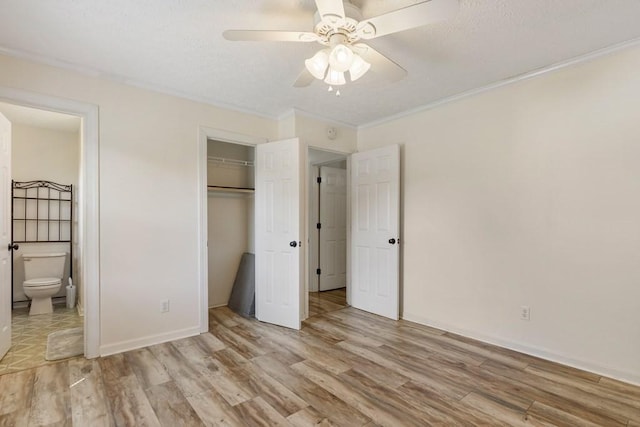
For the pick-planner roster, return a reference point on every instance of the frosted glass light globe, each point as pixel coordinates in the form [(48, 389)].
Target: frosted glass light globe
[(341, 58)]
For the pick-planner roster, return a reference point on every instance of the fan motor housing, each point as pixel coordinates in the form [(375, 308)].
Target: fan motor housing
[(332, 25)]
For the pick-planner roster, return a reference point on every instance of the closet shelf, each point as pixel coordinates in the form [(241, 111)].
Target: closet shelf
[(219, 188)]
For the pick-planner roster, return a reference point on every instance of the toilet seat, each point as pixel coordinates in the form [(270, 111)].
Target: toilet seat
[(42, 281)]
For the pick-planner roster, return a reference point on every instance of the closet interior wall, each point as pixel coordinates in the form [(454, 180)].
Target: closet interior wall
[(230, 214)]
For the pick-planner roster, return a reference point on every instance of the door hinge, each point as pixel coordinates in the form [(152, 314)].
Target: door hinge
[(319, 180), (318, 226), (318, 271)]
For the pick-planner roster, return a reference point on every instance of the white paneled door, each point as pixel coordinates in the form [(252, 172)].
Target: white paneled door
[(5, 235), (279, 256), (333, 228), (375, 239)]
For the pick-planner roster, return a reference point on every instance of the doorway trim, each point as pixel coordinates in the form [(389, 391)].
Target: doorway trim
[(204, 134), (88, 201)]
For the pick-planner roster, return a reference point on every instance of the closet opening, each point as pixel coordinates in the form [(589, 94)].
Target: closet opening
[(230, 216), (327, 219)]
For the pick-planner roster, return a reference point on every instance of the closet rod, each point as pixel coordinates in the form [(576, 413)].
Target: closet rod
[(230, 189), (226, 161)]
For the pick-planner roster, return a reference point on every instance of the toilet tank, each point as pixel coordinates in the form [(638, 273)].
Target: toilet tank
[(44, 265)]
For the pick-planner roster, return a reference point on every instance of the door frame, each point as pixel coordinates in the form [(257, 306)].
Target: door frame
[(88, 201), (204, 134), (323, 205), (307, 218)]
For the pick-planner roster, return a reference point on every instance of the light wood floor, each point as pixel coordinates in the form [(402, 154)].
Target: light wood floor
[(345, 367), (327, 301)]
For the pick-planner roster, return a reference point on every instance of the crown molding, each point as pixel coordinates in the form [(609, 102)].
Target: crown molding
[(116, 78), (295, 111), (522, 77)]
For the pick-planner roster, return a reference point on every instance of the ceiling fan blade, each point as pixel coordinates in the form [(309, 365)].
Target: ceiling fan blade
[(406, 18), (331, 11), (380, 63), (304, 79), (270, 36)]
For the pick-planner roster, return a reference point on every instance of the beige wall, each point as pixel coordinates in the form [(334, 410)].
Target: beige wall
[(312, 131), (43, 154), (529, 195), (148, 198)]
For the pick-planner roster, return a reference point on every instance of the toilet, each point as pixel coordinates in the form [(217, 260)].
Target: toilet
[(43, 278)]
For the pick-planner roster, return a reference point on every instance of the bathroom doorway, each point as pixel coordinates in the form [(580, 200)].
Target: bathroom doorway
[(46, 147)]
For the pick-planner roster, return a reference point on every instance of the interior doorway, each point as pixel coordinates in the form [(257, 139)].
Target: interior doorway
[(45, 166), (328, 218), (86, 201)]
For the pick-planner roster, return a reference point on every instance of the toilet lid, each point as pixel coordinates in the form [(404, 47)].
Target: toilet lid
[(42, 281)]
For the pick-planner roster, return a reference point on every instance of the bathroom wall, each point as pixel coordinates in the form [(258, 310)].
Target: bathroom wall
[(52, 155)]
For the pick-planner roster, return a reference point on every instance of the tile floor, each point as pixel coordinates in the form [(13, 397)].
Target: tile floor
[(29, 336)]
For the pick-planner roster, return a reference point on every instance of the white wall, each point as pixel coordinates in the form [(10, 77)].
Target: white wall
[(148, 198), (43, 154), (529, 195)]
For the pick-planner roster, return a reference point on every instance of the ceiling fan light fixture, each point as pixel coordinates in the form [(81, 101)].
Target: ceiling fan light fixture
[(317, 64), (341, 58), (335, 78), (359, 68)]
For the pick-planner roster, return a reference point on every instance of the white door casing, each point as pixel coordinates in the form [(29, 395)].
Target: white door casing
[(375, 208), (313, 248), (88, 196), (279, 226), (333, 231), (5, 235)]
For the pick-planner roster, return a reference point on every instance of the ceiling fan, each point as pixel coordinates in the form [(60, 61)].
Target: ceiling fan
[(340, 27)]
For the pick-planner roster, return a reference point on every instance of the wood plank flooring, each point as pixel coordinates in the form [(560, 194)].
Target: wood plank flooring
[(327, 301), (344, 368)]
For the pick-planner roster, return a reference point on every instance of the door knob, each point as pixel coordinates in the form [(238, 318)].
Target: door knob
[(293, 243), (13, 246), (392, 241)]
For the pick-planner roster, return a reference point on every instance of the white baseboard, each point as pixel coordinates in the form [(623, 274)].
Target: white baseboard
[(218, 305), (628, 377), (119, 347)]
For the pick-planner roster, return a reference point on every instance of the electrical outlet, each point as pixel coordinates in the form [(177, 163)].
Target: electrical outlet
[(525, 313), (164, 306)]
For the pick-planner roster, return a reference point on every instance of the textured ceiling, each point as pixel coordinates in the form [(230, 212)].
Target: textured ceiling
[(176, 46)]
